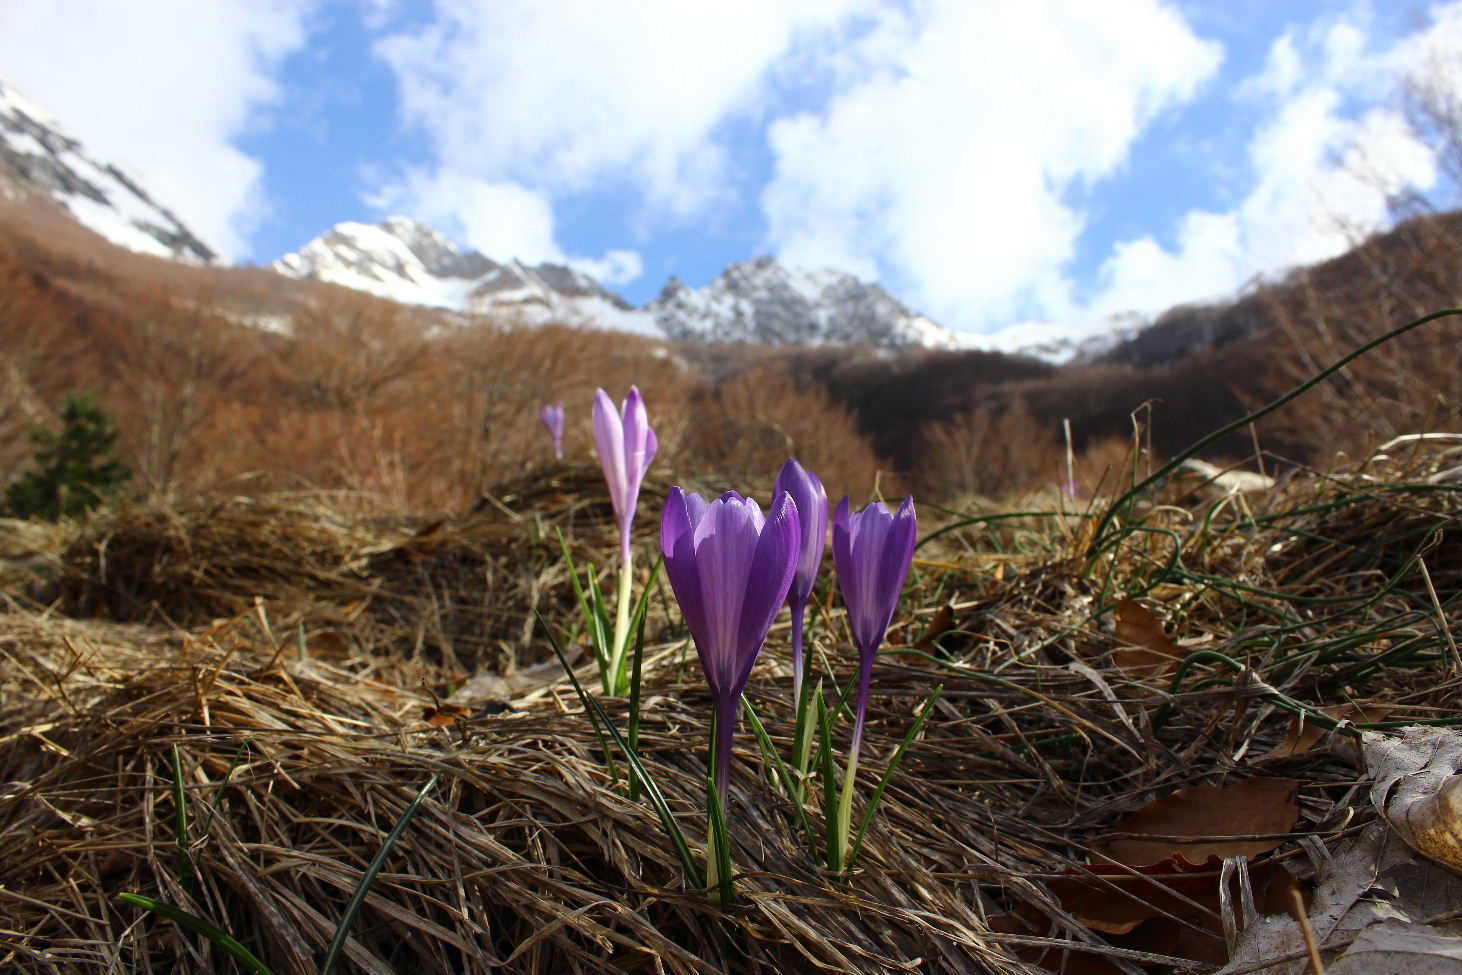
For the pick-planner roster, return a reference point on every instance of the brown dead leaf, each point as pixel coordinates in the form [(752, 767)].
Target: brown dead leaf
[(328, 643), (1303, 736), (1190, 825), (1162, 909), (444, 715), (1144, 648), (1162, 895), (941, 623)]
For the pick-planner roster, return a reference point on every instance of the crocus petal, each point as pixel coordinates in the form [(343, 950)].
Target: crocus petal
[(724, 555), (774, 563), (811, 500), (683, 515), (609, 439)]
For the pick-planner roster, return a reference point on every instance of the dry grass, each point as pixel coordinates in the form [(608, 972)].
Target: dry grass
[(304, 646)]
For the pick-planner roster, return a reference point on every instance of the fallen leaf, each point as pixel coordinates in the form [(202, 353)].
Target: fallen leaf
[(1305, 735), (1418, 788), (1370, 881), (941, 623), (1144, 648), (1200, 817), (1157, 888), (328, 643), (446, 714)]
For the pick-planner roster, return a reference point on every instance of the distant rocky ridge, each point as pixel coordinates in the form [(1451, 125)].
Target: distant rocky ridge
[(758, 301), (762, 301), (408, 261), (36, 154)]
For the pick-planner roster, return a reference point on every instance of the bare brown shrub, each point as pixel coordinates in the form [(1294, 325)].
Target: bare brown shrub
[(752, 423), (1411, 384), (991, 454)]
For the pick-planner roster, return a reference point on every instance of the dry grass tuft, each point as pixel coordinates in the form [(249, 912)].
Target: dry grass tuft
[(183, 628)]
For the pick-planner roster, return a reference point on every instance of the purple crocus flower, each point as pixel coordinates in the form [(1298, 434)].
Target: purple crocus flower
[(872, 551), (626, 446), (811, 500), (730, 568), (552, 417)]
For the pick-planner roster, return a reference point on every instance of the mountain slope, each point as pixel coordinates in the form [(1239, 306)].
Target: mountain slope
[(37, 155)]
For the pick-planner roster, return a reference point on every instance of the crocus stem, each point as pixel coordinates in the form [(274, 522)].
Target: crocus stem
[(617, 681), (797, 613), (845, 801), (802, 744), (845, 809), (727, 711), (723, 725)]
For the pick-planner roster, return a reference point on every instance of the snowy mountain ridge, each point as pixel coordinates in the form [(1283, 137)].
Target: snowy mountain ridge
[(37, 154), (407, 261), (763, 301)]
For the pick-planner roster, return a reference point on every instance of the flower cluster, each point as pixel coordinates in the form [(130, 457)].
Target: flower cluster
[(732, 567)]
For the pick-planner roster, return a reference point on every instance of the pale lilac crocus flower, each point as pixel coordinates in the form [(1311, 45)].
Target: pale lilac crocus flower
[(730, 567), (626, 447), (552, 417), (811, 500)]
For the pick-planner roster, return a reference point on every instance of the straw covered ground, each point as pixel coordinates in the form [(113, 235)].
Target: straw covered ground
[(297, 667)]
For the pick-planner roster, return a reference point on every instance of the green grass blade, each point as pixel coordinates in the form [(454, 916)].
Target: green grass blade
[(337, 945), (657, 798), (180, 824), (218, 793), (792, 789), (893, 765), (197, 925), (592, 609), (720, 843), (834, 835), (637, 626), (1126, 501)]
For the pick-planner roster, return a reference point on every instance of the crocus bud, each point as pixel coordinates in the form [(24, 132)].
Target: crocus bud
[(552, 417), (872, 550)]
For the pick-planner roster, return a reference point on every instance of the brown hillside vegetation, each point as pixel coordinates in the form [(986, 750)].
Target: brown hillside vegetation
[(226, 705), (243, 382)]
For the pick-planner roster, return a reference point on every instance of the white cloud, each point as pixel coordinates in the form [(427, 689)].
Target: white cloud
[(1321, 172), (949, 162), (563, 96), (165, 87), (505, 220), (615, 267)]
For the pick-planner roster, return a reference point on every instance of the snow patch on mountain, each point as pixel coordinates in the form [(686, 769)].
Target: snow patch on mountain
[(36, 153), (407, 261), (1060, 343)]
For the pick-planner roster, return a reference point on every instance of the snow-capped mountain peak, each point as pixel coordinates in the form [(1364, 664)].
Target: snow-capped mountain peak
[(767, 302), (38, 155), (408, 261)]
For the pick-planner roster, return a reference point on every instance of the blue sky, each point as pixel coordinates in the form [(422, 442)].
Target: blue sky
[(988, 162)]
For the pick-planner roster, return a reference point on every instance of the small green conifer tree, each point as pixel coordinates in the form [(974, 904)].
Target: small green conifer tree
[(74, 470)]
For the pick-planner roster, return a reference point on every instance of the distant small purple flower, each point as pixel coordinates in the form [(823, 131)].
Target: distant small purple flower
[(730, 568), (1072, 488), (552, 417), (626, 446), (811, 500), (872, 551)]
